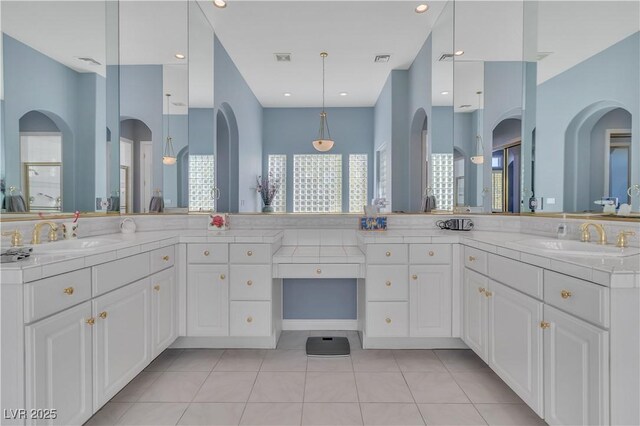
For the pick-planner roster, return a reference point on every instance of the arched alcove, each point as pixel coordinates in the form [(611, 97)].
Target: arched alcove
[(417, 159), (227, 159), (506, 164)]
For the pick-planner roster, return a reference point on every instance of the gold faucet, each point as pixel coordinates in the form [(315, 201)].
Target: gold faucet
[(16, 237), (622, 241), (53, 232), (586, 235)]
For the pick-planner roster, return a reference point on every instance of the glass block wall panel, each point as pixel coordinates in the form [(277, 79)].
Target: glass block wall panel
[(201, 183), (442, 180), (317, 183), (357, 182), (278, 170)]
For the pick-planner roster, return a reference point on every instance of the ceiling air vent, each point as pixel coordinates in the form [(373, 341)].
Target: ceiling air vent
[(89, 60), (283, 57), (465, 106), (382, 58), (446, 57), (541, 55)]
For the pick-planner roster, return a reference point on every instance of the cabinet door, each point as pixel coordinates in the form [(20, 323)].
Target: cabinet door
[(207, 300), (122, 338), (430, 301), (576, 371), (515, 342), (58, 367), (475, 314), (163, 311)]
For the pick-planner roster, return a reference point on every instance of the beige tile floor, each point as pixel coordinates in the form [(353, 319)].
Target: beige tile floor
[(284, 387)]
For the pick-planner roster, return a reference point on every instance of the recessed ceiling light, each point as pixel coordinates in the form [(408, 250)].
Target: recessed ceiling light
[(422, 8), (283, 57), (286, 94), (179, 56), (459, 52), (444, 93), (220, 3), (343, 93)]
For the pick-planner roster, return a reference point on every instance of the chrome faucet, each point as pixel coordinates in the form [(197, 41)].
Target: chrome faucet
[(53, 232), (586, 235)]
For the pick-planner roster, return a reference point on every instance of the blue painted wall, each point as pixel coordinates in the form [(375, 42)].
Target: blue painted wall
[(231, 89), (319, 299), (201, 131), (290, 131), (180, 135)]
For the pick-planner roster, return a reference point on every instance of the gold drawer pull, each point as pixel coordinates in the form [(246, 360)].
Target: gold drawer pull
[(544, 325), (249, 320), (249, 253), (222, 276), (249, 283), (472, 259), (415, 277), (206, 253), (68, 291), (318, 271), (487, 293), (91, 321), (388, 254), (565, 294), (165, 258), (156, 287), (388, 320), (388, 283), (431, 253), (103, 314), (481, 289)]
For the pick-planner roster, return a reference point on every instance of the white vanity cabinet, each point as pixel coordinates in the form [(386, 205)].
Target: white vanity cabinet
[(430, 301), (207, 300), (163, 310), (475, 316)]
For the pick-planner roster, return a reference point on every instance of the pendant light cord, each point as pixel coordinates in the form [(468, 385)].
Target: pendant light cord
[(324, 55), (168, 117)]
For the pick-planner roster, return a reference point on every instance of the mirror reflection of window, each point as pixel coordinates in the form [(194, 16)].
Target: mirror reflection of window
[(126, 173), (619, 166), (41, 157)]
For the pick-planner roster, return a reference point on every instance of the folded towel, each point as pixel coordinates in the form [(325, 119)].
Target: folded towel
[(15, 203), (15, 254), (156, 205), (428, 203), (114, 203)]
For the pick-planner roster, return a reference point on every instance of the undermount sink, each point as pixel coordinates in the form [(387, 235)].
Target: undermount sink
[(73, 246), (574, 248)]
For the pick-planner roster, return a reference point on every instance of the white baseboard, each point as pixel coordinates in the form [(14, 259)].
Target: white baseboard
[(319, 324)]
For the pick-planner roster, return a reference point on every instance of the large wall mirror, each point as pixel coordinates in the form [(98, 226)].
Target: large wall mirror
[(582, 104), (59, 95)]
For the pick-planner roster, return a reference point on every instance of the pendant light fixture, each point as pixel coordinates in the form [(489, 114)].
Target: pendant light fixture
[(479, 157), (168, 156), (324, 142)]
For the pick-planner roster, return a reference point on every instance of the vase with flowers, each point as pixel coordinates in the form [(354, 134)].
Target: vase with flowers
[(267, 187)]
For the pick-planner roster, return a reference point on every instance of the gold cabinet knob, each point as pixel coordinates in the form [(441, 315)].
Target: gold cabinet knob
[(487, 293), (544, 325), (414, 276), (222, 276), (388, 320), (481, 289), (206, 253), (156, 287), (91, 321), (565, 294), (103, 314), (318, 271), (388, 283), (431, 253), (472, 259), (165, 258), (388, 254), (249, 283), (249, 319), (68, 291), (249, 253)]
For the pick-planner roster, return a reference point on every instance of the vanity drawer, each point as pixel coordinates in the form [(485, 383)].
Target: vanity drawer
[(475, 259), (250, 318), (250, 253), (386, 254), (162, 258), (521, 276), (387, 319), (386, 283), (250, 282), (109, 276), (50, 295), (314, 270), (583, 299), (430, 254), (207, 253)]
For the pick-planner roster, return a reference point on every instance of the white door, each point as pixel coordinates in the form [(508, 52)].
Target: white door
[(207, 300), (475, 326), (430, 301), (163, 310), (146, 175), (58, 366), (576, 371), (122, 338), (515, 342)]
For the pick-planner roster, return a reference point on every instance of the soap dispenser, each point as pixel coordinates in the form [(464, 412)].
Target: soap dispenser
[(562, 230)]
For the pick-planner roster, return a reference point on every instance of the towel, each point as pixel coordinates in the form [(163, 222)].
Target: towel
[(15, 254), (114, 203), (156, 205), (15, 203), (428, 203)]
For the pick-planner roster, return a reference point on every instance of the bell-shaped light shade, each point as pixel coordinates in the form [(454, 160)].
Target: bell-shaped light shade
[(322, 145), (168, 160), (477, 159)]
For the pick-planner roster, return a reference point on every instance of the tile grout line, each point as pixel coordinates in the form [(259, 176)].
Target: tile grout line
[(353, 371), (424, 421), (254, 384)]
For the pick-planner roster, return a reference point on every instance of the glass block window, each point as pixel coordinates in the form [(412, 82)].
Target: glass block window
[(278, 170), (317, 183), (442, 180), (201, 183), (357, 182)]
